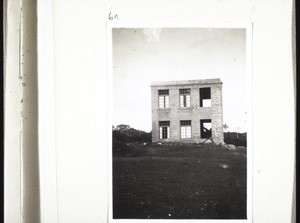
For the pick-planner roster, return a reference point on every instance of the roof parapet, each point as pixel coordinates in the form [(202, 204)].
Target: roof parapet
[(186, 82)]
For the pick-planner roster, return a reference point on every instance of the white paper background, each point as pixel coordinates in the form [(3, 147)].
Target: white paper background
[(80, 68)]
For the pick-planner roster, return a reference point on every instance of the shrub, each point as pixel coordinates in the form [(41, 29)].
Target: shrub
[(237, 139), (129, 134)]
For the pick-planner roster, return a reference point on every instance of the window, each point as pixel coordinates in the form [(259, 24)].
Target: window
[(184, 98), (163, 98), (205, 97), (164, 129), (205, 128), (185, 129)]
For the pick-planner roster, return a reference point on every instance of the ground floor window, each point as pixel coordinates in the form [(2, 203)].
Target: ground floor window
[(205, 128), (185, 129), (164, 129)]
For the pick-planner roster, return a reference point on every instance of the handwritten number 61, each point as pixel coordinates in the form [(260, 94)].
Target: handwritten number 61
[(111, 17)]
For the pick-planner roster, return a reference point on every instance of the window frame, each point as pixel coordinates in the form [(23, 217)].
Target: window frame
[(185, 94), (185, 124), (164, 94), (164, 126)]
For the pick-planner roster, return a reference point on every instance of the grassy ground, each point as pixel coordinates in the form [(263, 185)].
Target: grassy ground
[(179, 182)]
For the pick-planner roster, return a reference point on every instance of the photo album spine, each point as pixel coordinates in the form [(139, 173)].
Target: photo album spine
[(21, 168)]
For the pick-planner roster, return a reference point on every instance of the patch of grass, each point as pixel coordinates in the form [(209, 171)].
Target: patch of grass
[(179, 181)]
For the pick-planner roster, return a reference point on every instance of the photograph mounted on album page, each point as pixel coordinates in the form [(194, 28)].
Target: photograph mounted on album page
[(181, 135)]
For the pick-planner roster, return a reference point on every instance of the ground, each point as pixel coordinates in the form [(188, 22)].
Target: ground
[(179, 182)]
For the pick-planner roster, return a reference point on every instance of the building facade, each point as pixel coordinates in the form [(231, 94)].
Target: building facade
[(187, 111)]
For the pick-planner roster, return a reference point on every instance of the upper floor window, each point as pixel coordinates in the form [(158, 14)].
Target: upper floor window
[(164, 129), (184, 98), (163, 99), (205, 97)]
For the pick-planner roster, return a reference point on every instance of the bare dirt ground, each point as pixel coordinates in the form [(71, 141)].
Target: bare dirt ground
[(179, 182)]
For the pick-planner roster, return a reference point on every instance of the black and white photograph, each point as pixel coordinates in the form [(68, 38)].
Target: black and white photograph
[(180, 112)]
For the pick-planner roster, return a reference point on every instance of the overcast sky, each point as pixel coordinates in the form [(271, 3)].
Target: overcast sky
[(142, 56)]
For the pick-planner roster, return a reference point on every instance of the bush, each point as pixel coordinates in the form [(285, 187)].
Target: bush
[(237, 139), (123, 134)]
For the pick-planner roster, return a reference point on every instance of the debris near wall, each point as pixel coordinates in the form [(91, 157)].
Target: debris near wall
[(230, 146)]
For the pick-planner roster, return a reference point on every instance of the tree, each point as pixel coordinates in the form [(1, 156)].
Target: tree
[(225, 126), (122, 127), (125, 133)]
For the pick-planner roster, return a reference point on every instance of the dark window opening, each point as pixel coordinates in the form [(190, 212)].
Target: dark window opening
[(205, 97), (205, 128)]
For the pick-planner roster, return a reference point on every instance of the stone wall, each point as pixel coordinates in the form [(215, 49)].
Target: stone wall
[(195, 113)]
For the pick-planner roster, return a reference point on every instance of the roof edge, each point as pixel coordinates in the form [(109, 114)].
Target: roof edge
[(186, 82)]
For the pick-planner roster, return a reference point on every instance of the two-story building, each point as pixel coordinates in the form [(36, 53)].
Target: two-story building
[(187, 111)]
